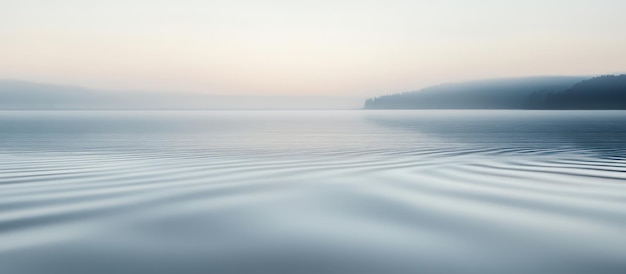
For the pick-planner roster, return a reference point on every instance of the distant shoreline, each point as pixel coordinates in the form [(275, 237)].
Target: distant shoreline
[(535, 93)]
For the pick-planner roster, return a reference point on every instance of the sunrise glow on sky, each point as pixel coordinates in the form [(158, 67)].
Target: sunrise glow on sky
[(322, 47)]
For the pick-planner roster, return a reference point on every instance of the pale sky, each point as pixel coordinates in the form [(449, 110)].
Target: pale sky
[(293, 47)]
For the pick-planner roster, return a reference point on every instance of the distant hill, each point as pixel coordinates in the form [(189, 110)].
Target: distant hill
[(510, 93), (17, 95), (604, 92)]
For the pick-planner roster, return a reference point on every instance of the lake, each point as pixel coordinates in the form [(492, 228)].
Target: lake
[(433, 191)]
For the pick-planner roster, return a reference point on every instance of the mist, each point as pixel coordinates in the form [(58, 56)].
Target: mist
[(312, 136), (16, 94), (304, 48)]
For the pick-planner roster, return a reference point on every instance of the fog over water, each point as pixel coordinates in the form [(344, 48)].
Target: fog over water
[(305, 48), (236, 136), (312, 192), (25, 95)]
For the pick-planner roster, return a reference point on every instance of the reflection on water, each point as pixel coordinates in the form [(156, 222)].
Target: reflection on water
[(313, 192), (598, 131)]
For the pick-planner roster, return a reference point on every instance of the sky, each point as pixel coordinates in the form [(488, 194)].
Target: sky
[(296, 47)]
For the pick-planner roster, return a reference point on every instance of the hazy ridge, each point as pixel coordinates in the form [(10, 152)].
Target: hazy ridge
[(17, 94), (562, 92)]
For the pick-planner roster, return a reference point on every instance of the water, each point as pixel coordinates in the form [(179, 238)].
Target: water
[(313, 192)]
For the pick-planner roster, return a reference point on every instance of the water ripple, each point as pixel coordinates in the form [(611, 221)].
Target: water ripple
[(376, 194)]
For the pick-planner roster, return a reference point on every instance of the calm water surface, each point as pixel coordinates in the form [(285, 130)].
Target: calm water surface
[(312, 192)]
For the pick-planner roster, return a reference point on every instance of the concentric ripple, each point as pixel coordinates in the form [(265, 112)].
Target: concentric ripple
[(313, 192)]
